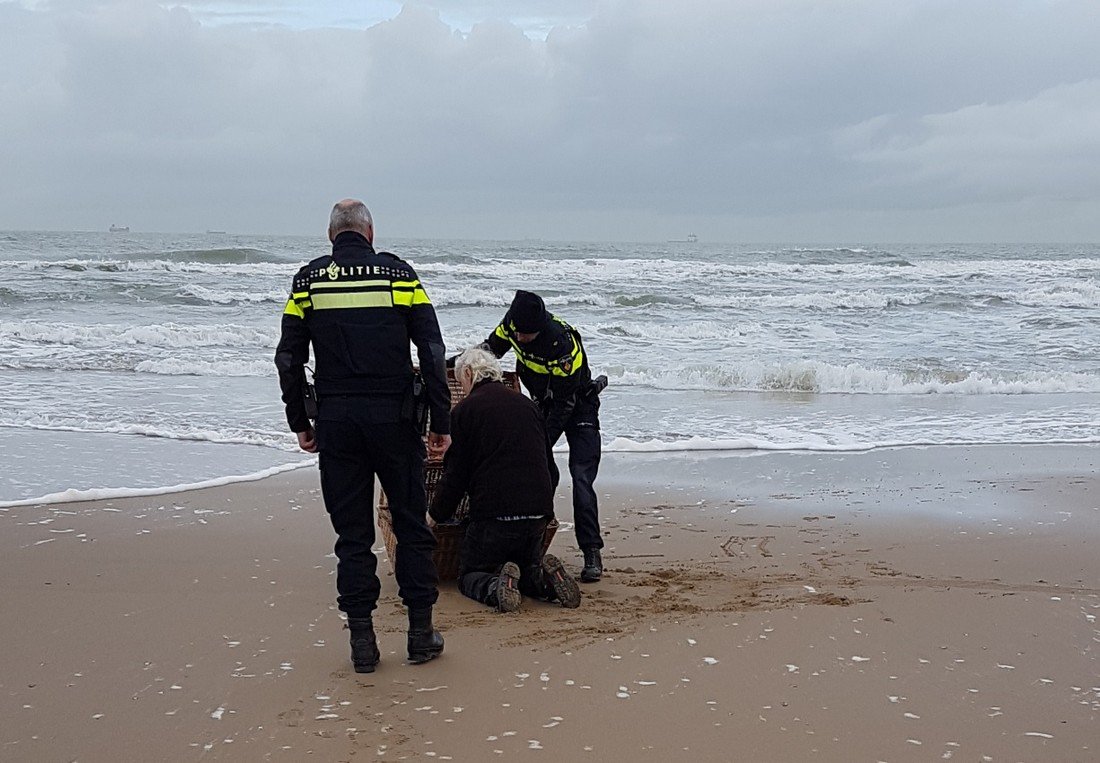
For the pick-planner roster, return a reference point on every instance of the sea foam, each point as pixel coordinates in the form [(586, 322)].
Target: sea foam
[(829, 378), (99, 494)]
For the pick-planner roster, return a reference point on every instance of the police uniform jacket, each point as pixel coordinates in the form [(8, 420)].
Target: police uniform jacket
[(360, 309), (553, 368), (499, 455)]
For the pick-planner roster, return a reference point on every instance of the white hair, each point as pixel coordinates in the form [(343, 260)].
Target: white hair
[(482, 364), (350, 214)]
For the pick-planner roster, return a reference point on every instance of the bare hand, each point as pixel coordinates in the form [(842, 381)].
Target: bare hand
[(307, 440), (437, 445)]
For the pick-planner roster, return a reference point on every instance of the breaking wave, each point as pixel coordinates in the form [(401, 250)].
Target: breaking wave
[(114, 336), (282, 441), (228, 256), (819, 377), (285, 268), (703, 444), (204, 295), (192, 367)]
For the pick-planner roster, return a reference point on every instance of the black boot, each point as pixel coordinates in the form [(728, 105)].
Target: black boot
[(364, 646), (425, 643), (593, 565)]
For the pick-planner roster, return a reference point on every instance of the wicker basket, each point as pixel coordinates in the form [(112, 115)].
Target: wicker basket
[(448, 542), (448, 537)]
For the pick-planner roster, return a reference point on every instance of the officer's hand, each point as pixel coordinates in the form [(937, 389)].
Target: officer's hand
[(438, 444), (307, 441)]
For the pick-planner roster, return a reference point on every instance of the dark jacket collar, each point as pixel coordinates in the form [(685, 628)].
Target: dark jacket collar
[(349, 241), (481, 383)]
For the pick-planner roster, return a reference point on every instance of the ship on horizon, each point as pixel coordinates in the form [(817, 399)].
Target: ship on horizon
[(119, 228), (691, 239)]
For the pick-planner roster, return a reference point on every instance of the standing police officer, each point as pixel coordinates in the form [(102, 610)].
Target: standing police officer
[(554, 368), (360, 308)]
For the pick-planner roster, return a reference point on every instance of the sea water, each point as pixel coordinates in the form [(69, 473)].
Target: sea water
[(131, 362)]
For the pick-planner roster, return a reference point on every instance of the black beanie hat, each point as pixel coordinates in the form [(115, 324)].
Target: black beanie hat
[(528, 312)]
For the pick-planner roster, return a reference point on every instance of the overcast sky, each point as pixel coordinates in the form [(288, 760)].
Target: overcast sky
[(739, 120)]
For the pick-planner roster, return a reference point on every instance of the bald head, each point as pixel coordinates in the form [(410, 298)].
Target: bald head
[(351, 215)]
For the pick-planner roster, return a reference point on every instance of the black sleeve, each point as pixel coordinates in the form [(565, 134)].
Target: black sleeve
[(455, 481), (496, 343), (552, 465), (563, 391), (567, 374), (432, 356), (291, 355)]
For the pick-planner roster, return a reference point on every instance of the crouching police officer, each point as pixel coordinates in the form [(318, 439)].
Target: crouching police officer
[(359, 308), (554, 369)]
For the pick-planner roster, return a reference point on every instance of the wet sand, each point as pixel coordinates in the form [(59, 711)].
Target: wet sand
[(898, 605)]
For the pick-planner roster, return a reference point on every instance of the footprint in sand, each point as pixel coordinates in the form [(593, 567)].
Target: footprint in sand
[(290, 717)]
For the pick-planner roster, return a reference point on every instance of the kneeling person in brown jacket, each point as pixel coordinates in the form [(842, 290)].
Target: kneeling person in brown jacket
[(500, 456)]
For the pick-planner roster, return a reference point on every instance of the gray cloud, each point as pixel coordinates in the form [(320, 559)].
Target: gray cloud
[(535, 17), (1045, 145), (754, 120)]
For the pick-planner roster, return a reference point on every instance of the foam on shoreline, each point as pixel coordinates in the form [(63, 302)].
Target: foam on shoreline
[(98, 494), (703, 444)]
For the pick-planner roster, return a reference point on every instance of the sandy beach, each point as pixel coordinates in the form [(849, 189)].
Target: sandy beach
[(910, 604)]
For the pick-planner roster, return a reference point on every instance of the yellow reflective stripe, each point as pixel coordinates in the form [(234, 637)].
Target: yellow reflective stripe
[(344, 300), (349, 284), (553, 368), (538, 368), (578, 355), (410, 298), (521, 356), (409, 293), (293, 308), (574, 366)]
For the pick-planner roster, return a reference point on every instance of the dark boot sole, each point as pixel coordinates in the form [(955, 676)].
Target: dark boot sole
[(425, 653), (421, 657), (565, 587), (508, 596), (365, 668)]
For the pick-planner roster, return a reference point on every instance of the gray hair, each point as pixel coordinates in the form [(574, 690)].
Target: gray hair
[(350, 214), (482, 364)]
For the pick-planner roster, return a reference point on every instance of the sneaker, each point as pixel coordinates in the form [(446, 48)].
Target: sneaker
[(508, 595), (566, 590)]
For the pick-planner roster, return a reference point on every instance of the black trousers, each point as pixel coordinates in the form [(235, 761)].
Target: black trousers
[(488, 544), (582, 432), (356, 441)]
